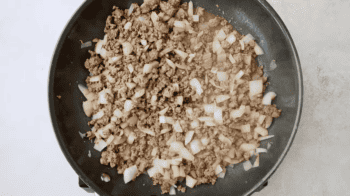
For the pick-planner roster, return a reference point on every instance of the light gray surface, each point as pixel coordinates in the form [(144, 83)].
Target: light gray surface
[(31, 161)]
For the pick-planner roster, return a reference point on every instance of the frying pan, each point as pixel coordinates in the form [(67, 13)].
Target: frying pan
[(256, 17)]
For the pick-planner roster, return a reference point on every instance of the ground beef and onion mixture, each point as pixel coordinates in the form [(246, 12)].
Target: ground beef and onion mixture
[(175, 91)]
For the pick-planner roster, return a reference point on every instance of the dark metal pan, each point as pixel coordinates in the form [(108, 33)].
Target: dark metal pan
[(256, 17)]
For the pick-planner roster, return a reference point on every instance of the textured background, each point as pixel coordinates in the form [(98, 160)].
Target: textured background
[(32, 163)]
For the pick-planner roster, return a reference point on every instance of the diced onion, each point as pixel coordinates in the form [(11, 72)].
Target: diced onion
[(210, 123), (100, 145), (83, 89), (182, 171), (154, 99), (245, 128), (180, 24), (231, 38), (268, 97), (196, 84), (261, 131), (128, 105), (209, 108), (261, 150), (98, 115), (172, 191), (247, 165), (216, 46), (242, 44), (194, 124), (258, 50), (177, 127), (190, 9), (178, 147), (221, 35), (218, 115), (170, 63), (130, 85), (224, 139), (247, 59), (131, 138), (147, 68), (246, 39), (190, 182), (182, 54), (154, 151), (171, 140), (196, 146), (127, 25), (188, 137), (218, 169), (238, 113), (165, 131), (222, 98), (88, 108), (205, 141), (154, 18), (230, 57), (191, 56), (222, 76), (102, 97), (247, 147), (179, 100), (144, 42), (266, 137), (261, 119), (166, 119), (162, 112), (148, 131), (118, 113), (255, 87), (98, 47), (95, 79), (152, 171), (239, 75), (110, 139), (256, 162), (221, 175), (139, 92), (127, 48), (131, 9), (176, 171), (205, 118), (196, 18)]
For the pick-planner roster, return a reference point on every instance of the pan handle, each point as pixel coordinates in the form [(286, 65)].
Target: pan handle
[(85, 187)]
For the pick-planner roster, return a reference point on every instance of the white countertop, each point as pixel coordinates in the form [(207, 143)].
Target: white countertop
[(32, 163)]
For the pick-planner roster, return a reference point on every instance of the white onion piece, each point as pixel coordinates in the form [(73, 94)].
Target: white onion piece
[(83, 89), (128, 105), (261, 150), (218, 169), (232, 60), (180, 24), (188, 137), (231, 38), (110, 139), (238, 113), (131, 9), (246, 39), (176, 171), (190, 9), (179, 100), (239, 75), (179, 148), (194, 124), (170, 63), (172, 191), (127, 26), (256, 162), (162, 163), (224, 139), (261, 119), (171, 140), (221, 175), (164, 131), (182, 171), (147, 68), (191, 56), (218, 115), (210, 123), (242, 44), (182, 54), (88, 108), (154, 18), (268, 97), (196, 18), (190, 182), (205, 141), (209, 108), (205, 118), (154, 151), (222, 98), (266, 137), (154, 99), (216, 46), (245, 128), (246, 147), (214, 70), (130, 85), (127, 48), (139, 92), (95, 78), (222, 76), (100, 145), (152, 171), (162, 112), (189, 113), (118, 113), (98, 47), (196, 146), (148, 131), (102, 97), (98, 115), (103, 53), (261, 131), (166, 119), (247, 165), (115, 59), (221, 36), (255, 87), (131, 138), (196, 84), (258, 50), (177, 127)]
